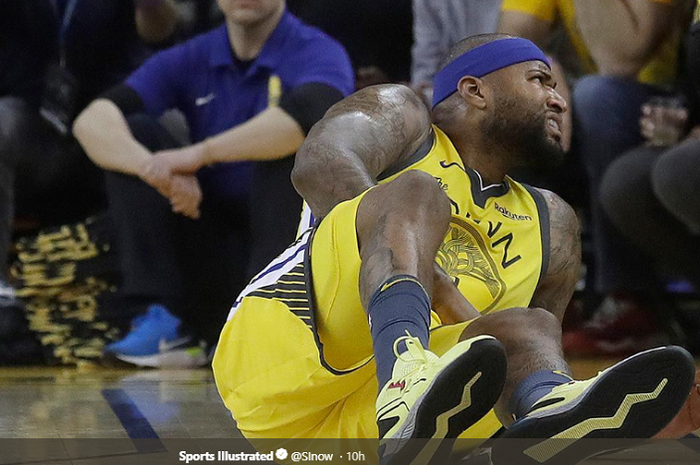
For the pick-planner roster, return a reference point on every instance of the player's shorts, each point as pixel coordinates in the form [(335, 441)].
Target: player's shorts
[(288, 372)]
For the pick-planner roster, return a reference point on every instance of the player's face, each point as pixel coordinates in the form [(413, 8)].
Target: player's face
[(250, 12), (526, 116)]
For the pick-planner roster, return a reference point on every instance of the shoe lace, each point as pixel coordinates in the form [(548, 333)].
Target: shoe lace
[(415, 351), (415, 358)]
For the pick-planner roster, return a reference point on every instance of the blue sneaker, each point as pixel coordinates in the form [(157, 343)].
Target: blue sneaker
[(155, 341)]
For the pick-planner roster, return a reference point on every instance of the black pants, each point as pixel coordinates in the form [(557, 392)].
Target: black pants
[(651, 196), (195, 267), (44, 175)]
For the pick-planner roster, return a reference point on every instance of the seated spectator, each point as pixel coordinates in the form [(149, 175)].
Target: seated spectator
[(650, 193), (250, 90), (437, 26), (606, 111), (56, 56), (647, 195)]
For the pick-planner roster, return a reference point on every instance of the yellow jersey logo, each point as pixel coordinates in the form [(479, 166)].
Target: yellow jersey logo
[(464, 254)]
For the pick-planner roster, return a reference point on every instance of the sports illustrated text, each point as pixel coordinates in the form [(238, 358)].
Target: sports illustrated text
[(280, 454)]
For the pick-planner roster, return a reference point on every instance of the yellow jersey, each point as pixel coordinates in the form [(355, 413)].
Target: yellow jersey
[(661, 68), (301, 320), (497, 246)]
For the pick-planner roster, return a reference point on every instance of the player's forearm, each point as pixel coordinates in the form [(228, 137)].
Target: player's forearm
[(105, 136), (155, 19), (622, 35), (271, 135)]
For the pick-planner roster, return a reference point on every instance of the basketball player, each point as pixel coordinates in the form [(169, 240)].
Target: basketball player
[(345, 312)]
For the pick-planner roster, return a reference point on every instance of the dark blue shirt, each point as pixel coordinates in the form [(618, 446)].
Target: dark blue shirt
[(216, 92)]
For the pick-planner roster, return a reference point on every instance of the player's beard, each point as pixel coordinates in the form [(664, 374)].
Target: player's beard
[(520, 134)]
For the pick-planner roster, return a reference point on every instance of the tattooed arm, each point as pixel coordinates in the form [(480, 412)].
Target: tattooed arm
[(357, 140), (556, 288)]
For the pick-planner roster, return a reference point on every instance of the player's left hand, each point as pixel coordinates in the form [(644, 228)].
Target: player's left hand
[(186, 160), (688, 419)]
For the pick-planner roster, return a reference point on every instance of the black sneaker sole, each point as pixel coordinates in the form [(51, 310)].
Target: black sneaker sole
[(482, 371), (668, 371)]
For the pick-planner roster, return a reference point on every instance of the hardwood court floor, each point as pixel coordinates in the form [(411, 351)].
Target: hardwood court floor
[(63, 403)]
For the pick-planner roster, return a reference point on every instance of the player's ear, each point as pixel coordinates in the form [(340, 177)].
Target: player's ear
[(472, 91)]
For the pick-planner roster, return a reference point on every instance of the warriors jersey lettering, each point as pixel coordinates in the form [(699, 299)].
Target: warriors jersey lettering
[(497, 246)]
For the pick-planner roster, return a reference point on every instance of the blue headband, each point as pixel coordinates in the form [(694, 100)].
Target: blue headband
[(483, 60)]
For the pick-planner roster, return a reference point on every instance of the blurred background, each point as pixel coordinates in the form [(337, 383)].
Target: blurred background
[(632, 171)]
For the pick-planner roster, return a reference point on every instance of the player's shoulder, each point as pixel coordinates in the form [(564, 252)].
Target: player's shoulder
[(563, 221), (557, 206), (398, 93), (392, 101)]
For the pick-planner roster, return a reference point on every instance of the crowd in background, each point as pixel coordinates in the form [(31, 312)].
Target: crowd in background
[(199, 198)]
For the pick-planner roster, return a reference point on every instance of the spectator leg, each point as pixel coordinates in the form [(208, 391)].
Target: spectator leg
[(214, 255), (606, 124), (274, 224), (55, 182), (145, 225), (676, 182), (194, 267), (630, 201)]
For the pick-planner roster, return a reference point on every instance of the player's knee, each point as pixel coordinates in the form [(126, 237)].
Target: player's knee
[(527, 323), (516, 325), (543, 320), (419, 191)]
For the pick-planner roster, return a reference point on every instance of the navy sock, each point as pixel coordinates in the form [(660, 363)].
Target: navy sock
[(533, 388), (399, 305)]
